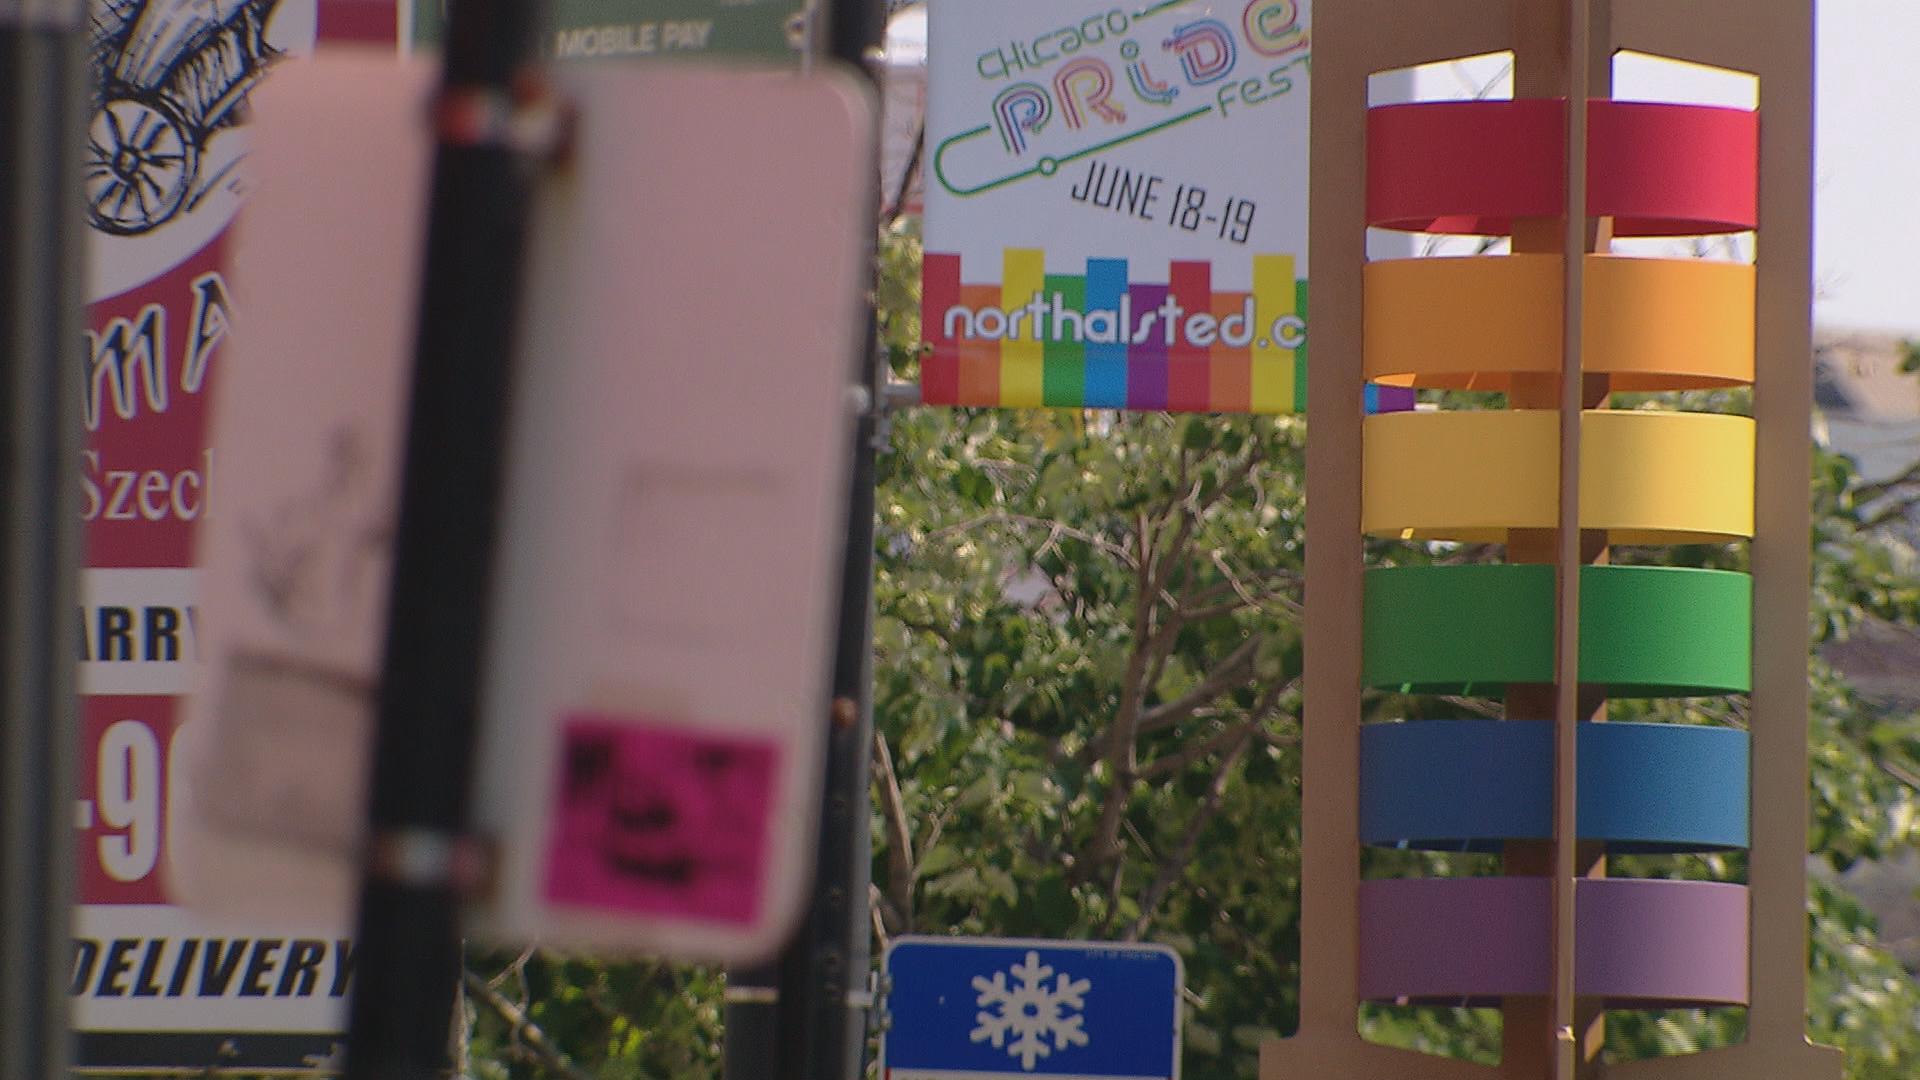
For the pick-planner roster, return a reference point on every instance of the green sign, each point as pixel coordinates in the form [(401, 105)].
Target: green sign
[(761, 30)]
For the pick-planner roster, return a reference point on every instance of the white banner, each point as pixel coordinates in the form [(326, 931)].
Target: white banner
[(1117, 204)]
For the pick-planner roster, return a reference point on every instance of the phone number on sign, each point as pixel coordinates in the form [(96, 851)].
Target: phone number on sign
[(121, 810)]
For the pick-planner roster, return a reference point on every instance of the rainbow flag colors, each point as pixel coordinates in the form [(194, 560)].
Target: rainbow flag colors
[(1102, 339), (1647, 478)]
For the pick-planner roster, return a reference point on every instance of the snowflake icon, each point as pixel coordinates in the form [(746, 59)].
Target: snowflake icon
[(1030, 1011)]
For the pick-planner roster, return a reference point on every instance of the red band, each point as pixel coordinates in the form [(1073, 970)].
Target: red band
[(1475, 166)]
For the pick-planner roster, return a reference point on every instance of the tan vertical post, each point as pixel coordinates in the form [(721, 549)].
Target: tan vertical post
[(1557, 54), (1567, 561), (1775, 41), (1357, 38), (1540, 42)]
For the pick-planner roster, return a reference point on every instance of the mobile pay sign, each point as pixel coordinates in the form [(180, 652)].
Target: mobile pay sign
[(671, 515)]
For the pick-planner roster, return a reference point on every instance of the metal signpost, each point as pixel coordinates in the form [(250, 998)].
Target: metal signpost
[(1000, 1009), (40, 320), (803, 1016)]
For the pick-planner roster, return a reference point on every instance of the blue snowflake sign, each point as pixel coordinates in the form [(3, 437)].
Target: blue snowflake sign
[(997, 1009)]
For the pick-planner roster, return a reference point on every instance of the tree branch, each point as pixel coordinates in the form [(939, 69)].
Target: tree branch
[(900, 861), (1905, 776), (1173, 764), (1225, 675), (1898, 510), (1119, 748), (1868, 492), (525, 1031), (897, 209), (1176, 863), (1001, 517), (1240, 477), (886, 920)]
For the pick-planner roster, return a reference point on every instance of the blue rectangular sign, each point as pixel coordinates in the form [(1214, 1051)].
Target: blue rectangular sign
[(994, 1009)]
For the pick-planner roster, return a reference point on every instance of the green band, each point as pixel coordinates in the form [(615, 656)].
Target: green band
[(1644, 631)]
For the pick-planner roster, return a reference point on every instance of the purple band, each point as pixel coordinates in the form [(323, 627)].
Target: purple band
[(1678, 942), (1642, 944)]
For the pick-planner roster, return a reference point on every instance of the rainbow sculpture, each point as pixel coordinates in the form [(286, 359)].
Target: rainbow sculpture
[(1559, 479)]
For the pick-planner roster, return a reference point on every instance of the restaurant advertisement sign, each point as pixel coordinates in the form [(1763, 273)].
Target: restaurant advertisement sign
[(153, 985)]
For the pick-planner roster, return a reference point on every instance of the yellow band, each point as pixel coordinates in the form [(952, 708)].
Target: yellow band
[(1645, 477), (1472, 323)]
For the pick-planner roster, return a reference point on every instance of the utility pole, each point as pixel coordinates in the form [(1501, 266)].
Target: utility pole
[(804, 1016), (421, 860), (43, 84)]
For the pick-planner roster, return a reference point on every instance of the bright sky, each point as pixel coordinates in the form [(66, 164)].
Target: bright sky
[(1868, 226)]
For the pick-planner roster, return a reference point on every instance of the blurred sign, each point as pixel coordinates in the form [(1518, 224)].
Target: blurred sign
[(674, 495), (768, 31), (274, 754), (991, 1009), (656, 701), (1116, 205)]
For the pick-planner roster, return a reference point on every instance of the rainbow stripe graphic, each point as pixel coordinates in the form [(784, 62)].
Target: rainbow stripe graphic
[(1102, 340)]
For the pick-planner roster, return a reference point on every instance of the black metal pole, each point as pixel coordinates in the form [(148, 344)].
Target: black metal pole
[(418, 851), (804, 1017), (42, 318)]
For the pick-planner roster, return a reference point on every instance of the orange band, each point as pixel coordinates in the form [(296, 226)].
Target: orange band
[(1473, 323)]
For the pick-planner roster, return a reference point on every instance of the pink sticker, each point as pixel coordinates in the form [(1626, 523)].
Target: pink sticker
[(651, 819)]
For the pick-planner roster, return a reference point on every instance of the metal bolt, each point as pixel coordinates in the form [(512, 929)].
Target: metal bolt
[(846, 712)]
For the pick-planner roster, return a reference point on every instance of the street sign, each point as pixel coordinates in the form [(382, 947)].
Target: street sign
[(1000, 1009), (757, 31)]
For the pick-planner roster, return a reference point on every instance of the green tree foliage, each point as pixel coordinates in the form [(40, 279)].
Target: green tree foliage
[(1087, 696)]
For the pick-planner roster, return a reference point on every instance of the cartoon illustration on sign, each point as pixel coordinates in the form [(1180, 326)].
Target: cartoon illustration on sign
[(172, 76), (166, 132)]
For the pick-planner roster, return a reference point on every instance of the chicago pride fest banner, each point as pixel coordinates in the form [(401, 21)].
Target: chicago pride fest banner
[(1116, 208)]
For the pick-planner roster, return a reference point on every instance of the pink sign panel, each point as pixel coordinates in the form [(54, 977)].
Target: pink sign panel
[(652, 819)]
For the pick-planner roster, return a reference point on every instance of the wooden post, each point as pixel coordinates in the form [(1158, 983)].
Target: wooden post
[(1774, 41), (1369, 36)]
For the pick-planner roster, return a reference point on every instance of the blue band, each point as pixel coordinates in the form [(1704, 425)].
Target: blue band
[(1469, 785)]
